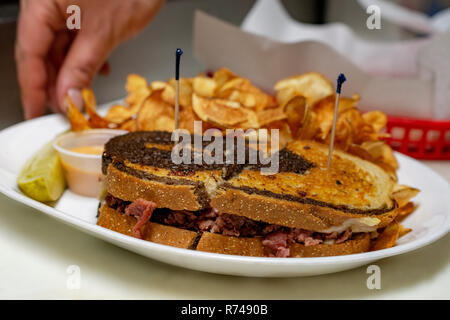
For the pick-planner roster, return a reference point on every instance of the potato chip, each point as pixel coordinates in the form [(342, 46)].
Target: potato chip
[(286, 94), (244, 92), (360, 152), (158, 85), (251, 121), (135, 98), (343, 135), (222, 76), (349, 122), (376, 119), (77, 120), (155, 114), (404, 211), (245, 98), (382, 152), (185, 88), (223, 113), (312, 85), (168, 95), (284, 134), (346, 103), (403, 231), (205, 87), (129, 125), (295, 111), (95, 120), (187, 118), (308, 130), (270, 115), (362, 131), (388, 237), (137, 89), (135, 82), (324, 110), (119, 114), (402, 194)]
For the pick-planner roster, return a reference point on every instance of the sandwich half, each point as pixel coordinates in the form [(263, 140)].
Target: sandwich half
[(304, 210)]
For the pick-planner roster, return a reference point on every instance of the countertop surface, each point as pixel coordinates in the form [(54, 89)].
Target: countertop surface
[(38, 255)]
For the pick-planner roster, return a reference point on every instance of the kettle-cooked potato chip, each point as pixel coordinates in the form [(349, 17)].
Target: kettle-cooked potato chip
[(270, 115), (223, 113), (155, 114), (382, 152), (284, 134), (222, 76), (244, 92), (377, 119), (402, 194), (312, 85), (388, 237), (119, 114), (158, 85), (135, 82), (137, 89), (95, 120), (77, 120), (203, 86), (185, 88), (129, 125), (295, 110)]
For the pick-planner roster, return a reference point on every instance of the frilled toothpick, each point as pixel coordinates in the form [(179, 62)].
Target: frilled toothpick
[(178, 54), (340, 80)]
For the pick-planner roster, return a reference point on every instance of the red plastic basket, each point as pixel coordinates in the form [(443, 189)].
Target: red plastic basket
[(420, 138)]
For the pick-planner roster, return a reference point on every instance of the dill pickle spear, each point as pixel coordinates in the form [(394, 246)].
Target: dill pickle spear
[(42, 178)]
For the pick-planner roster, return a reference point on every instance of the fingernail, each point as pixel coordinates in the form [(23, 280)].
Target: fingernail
[(77, 99)]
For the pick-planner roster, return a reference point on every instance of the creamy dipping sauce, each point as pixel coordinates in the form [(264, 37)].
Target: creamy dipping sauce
[(96, 150), (81, 181)]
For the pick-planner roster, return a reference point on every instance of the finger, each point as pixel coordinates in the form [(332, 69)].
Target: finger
[(84, 59), (56, 57), (38, 22), (32, 45)]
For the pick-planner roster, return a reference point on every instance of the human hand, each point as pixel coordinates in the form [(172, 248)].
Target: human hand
[(53, 61)]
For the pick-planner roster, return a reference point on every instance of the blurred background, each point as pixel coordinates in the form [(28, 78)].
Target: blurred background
[(150, 53)]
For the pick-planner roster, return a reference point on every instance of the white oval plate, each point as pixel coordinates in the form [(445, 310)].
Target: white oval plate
[(430, 222)]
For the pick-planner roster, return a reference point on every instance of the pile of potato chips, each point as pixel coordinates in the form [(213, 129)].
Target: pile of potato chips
[(302, 108)]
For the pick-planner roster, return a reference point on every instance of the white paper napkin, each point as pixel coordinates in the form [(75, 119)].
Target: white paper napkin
[(274, 46)]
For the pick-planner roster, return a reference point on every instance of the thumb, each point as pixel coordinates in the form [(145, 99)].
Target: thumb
[(86, 56)]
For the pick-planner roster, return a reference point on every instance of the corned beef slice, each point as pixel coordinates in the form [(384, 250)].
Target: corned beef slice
[(142, 210)]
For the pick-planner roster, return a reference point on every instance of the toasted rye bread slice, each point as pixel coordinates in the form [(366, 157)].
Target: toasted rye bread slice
[(295, 214), (354, 193), (111, 219), (167, 191), (216, 243)]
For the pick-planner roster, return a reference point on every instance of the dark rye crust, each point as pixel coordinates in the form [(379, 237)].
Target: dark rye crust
[(133, 147), (217, 243)]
